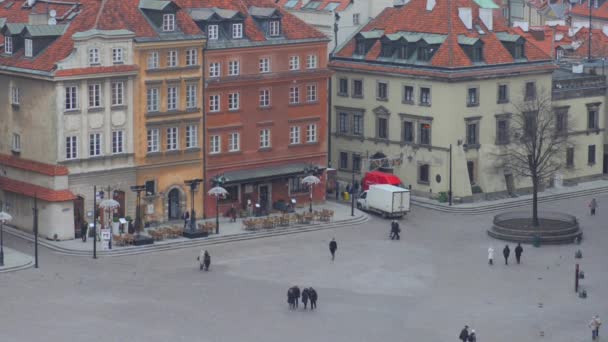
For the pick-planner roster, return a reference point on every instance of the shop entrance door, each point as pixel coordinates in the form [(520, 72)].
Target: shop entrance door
[(174, 212)]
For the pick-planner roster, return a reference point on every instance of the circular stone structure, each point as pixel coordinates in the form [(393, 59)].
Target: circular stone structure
[(554, 228)]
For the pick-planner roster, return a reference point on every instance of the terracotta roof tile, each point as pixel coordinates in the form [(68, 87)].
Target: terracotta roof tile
[(96, 70), (32, 190), (342, 5), (33, 166), (582, 9)]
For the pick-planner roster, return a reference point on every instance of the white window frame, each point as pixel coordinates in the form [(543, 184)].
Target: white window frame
[(8, 45), (168, 22), (311, 92), (191, 57), (213, 32), (117, 89), (172, 138), (294, 135), (311, 133), (191, 136), (264, 65), (265, 138), (234, 68), (71, 147), (294, 63), (172, 58), (29, 48), (94, 91), (95, 144), (153, 139), (71, 97), (117, 56), (214, 103), (234, 101), (234, 142), (356, 18), (153, 99), (264, 98), (153, 60), (118, 142), (172, 97), (215, 144), (94, 57), (215, 69), (191, 96), (16, 143), (294, 95), (274, 28), (237, 30), (312, 61), (15, 96)]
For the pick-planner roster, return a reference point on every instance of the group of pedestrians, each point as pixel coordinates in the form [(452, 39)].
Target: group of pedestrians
[(506, 252), (307, 294), (466, 336)]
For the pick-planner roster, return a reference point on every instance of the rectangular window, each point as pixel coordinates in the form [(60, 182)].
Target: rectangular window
[(191, 57), (8, 45), (169, 22), (311, 133), (408, 131), (472, 133), (214, 103), (311, 62), (425, 96), (153, 60), (172, 98), (214, 69), (212, 32), (191, 136), (264, 97), (423, 173), (172, 139), (234, 68), (358, 88), (118, 93), (117, 56), (172, 58), (382, 129), (503, 93), (215, 145), (264, 65), (94, 95), (502, 131), (94, 144), (343, 160), (234, 143), (15, 144), (294, 135), (343, 123), (237, 30), (28, 48), (570, 157), (233, 101), (274, 28), (561, 121), (357, 124), (71, 147), (472, 97), (150, 187), (355, 18), (530, 91), (93, 56), (118, 142), (294, 62), (357, 162), (311, 93), (591, 154), (296, 185), (191, 96), (592, 119), (265, 138), (382, 91), (408, 94), (153, 140), (153, 99), (71, 98), (15, 96), (294, 95), (425, 134), (343, 86)]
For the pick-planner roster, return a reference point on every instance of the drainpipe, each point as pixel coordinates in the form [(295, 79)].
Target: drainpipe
[(204, 132)]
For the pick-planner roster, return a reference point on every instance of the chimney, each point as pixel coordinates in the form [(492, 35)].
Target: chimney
[(38, 19), (400, 3), (523, 25), (466, 17), (430, 4), (486, 15)]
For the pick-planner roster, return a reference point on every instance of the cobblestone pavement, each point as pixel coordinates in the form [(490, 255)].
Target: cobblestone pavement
[(424, 287)]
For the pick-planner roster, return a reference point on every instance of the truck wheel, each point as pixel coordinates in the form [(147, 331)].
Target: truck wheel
[(359, 206)]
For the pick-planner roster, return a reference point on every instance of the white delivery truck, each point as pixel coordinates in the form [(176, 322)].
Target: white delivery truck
[(386, 200)]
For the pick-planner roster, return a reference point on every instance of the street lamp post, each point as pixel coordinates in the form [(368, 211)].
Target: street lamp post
[(193, 183), (352, 193), (218, 191), (35, 230), (138, 189), (94, 221), (311, 180), (450, 180), (3, 218)]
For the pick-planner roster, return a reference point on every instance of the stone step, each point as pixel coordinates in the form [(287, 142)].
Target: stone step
[(543, 233), (547, 240)]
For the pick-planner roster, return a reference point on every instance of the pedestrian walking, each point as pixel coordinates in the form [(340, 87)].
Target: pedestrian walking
[(201, 260), (333, 246), (84, 228), (472, 336), (593, 206), (395, 230), (506, 252), (296, 295), (305, 295), (290, 297), (207, 260), (464, 333), (518, 250), (312, 295), (232, 213), (490, 255), (595, 324), (186, 218)]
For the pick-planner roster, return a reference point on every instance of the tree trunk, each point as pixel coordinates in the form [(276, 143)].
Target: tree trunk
[(535, 201)]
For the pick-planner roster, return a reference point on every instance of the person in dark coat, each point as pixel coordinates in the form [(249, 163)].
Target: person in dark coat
[(290, 297), (312, 295), (305, 296), (186, 218), (464, 334), (296, 293), (395, 230), (333, 245), (518, 250), (506, 252), (206, 260), (472, 336), (83, 230), (232, 213)]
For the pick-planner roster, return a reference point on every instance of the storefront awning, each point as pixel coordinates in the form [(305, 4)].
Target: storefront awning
[(265, 173)]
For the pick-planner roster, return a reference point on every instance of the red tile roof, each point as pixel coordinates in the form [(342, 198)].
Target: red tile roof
[(33, 166), (96, 70), (544, 38), (32, 190), (342, 5), (583, 10)]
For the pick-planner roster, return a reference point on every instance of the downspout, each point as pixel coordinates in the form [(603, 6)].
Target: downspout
[(329, 89), (204, 131)]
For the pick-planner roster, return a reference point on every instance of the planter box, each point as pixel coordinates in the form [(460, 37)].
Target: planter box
[(142, 240), (195, 234)]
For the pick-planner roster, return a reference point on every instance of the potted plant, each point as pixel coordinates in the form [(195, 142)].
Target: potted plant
[(115, 225)]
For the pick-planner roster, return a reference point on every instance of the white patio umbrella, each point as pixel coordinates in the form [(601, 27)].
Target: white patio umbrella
[(109, 205), (218, 192), (311, 181), (3, 218)]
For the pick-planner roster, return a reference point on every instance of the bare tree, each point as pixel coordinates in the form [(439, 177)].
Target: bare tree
[(538, 137)]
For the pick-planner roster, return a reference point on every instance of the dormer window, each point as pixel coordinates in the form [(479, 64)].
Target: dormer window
[(237, 30), (212, 32), (93, 56), (402, 52), (28, 48), (425, 52), (518, 50), (169, 22), (8, 45), (387, 50), (274, 28), (117, 56), (360, 48)]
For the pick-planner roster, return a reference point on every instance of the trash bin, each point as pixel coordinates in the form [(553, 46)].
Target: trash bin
[(346, 196)]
